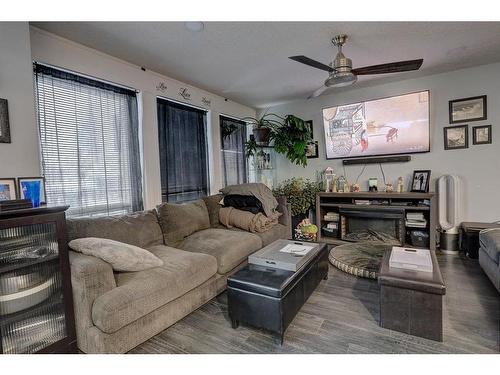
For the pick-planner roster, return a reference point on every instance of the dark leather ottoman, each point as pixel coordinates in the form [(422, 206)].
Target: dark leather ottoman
[(412, 301), (270, 298)]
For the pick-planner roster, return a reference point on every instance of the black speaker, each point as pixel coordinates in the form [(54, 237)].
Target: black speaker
[(383, 159)]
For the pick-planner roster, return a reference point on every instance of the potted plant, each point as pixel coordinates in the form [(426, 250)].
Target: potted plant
[(291, 138), (263, 126), (301, 194)]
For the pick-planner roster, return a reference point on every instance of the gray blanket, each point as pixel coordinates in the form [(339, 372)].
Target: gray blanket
[(259, 191)]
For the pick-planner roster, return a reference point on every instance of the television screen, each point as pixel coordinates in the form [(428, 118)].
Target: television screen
[(389, 126)]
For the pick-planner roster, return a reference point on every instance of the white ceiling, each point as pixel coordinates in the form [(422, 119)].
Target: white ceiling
[(248, 61)]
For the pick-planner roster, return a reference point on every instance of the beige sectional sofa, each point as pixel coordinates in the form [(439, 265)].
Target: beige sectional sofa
[(116, 311)]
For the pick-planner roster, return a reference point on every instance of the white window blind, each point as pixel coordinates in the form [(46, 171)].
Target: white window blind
[(89, 144)]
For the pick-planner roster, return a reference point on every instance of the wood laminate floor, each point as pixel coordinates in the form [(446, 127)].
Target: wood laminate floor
[(342, 315)]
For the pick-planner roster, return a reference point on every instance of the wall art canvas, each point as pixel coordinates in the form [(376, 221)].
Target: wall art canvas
[(4, 122), (388, 126)]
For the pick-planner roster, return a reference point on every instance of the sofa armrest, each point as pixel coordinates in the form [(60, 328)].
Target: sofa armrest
[(91, 277), (286, 218)]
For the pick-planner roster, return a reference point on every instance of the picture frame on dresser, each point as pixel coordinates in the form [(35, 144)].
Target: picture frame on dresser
[(468, 109), (32, 188), (8, 189)]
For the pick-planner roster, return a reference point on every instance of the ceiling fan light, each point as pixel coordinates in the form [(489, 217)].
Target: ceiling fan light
[(340, 79)]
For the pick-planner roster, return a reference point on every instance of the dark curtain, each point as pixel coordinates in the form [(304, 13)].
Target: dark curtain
[(183, 151), (234, 164)]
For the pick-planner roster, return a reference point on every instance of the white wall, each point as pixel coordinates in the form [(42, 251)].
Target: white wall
[(51, 49), (21, 157), (478, 166)]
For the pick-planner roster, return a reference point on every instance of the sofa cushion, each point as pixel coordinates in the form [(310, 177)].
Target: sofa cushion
[(121, 256), (139, 293), (139, 228), (229, 247), (279, 231), (490, 242), (213, 207), (180, 220)]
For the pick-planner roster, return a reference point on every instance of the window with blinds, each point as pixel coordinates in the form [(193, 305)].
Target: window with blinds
[(89, 138), (182, 133), (233, 135)]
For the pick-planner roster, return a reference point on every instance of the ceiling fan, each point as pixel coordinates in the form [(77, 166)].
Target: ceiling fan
[(341, 72)]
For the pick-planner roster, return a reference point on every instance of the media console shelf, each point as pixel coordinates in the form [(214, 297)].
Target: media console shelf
[(354, 214)]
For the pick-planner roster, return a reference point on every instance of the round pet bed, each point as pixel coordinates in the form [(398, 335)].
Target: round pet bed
[(360, 259)]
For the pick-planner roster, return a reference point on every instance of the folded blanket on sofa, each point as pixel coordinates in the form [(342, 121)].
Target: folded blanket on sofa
[(232, 217)]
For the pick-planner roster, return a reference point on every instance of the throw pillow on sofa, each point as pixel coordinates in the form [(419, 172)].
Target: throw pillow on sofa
[(178, 221), (121, 256)]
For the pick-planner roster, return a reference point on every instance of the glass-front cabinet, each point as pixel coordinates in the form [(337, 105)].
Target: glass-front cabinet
[(36, 307), (262, 166)]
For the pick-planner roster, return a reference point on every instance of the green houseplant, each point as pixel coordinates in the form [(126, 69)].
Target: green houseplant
[(301, 194), (263, 126), (290, 135)]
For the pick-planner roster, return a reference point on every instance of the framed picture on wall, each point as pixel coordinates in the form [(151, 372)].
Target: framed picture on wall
[(8, 190), (481, 135), (420, 181), (309, 124), (456, 137), (312, 150), (467, 109), (4, 122)]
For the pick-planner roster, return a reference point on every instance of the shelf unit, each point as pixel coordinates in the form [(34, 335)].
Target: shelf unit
[(36, 303), (387, 202), (256, 169)]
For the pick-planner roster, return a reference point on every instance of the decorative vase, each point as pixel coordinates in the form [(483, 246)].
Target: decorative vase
[(261, 136), (296, 220)]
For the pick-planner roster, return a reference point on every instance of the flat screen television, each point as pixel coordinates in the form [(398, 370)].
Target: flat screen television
[(389, 126)]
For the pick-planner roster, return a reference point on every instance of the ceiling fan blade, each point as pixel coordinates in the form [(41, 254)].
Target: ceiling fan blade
[(318, 92), (395, 67), (311, 62)]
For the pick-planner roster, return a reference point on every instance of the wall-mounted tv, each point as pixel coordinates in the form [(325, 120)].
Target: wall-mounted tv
[(388, 126)]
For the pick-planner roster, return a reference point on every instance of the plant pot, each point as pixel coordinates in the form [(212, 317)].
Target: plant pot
[(296, 221), (261, 136)]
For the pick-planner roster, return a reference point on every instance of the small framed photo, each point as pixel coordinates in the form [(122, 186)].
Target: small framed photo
[(32, 188), (467, 109), (4, 122), (309, 124), (481, 135), (8, 189), (456, 137), (420, 181), (312, 150)]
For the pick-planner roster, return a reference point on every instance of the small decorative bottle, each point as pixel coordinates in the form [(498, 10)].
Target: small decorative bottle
[(401, 186)]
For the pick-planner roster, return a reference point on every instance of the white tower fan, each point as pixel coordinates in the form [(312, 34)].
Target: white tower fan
[(450, 212)]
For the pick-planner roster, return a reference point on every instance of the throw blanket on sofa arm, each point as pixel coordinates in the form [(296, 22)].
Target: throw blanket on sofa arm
[(232, 217)]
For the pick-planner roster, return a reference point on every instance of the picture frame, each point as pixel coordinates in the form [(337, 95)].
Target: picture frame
[(481, 135), (312, 151), (29, 185), (8, 189), (309, 124), (420, 181), (4, 122), (468, 109), (456, 137)]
